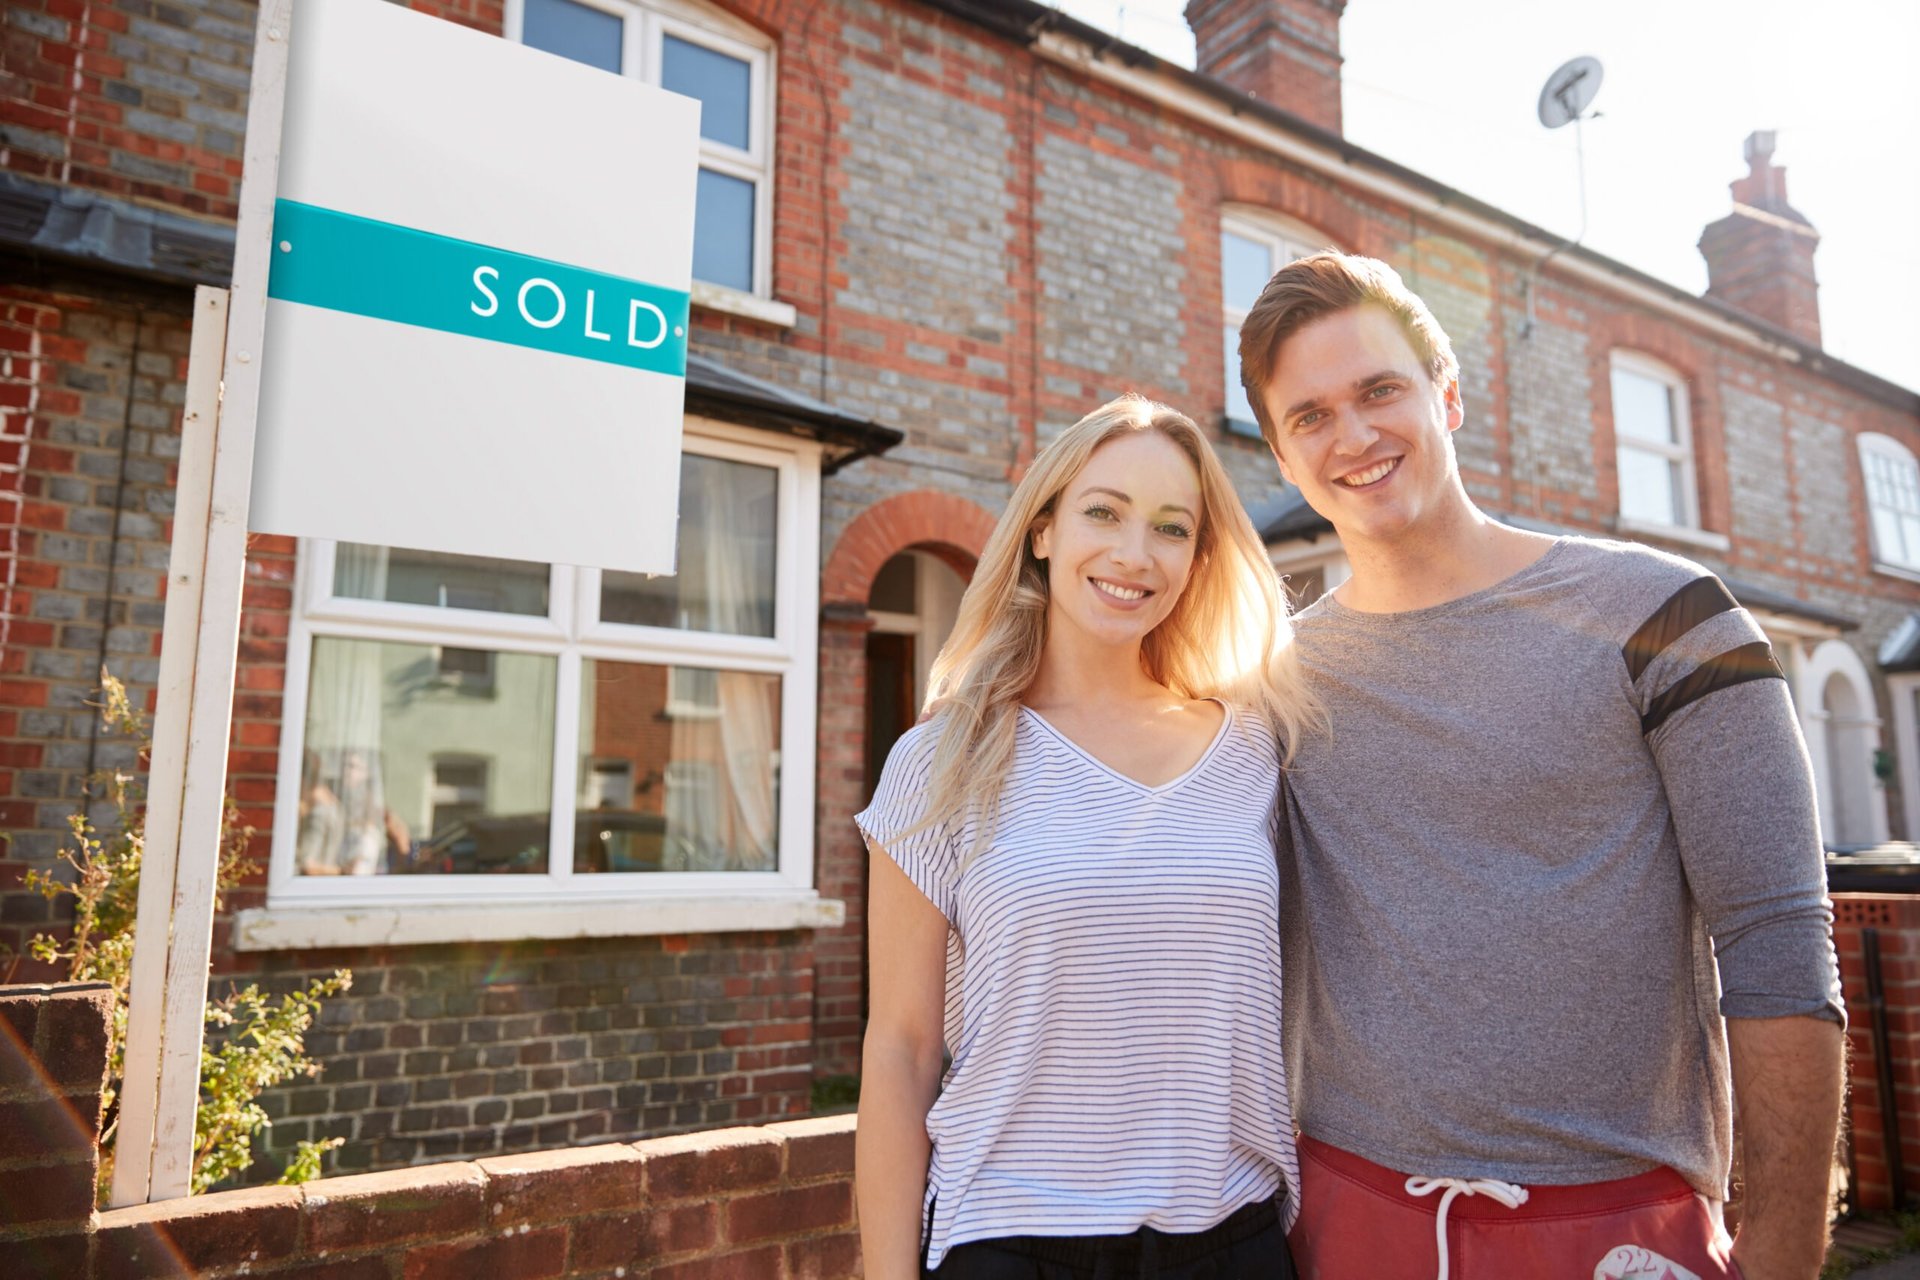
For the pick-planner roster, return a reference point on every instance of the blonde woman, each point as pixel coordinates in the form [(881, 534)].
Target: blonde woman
[(1074, 893)]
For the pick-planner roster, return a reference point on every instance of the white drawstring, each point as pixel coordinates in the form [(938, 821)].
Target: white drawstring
[(1505, 1192)]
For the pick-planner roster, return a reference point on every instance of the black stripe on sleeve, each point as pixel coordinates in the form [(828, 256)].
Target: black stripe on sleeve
[(1684, 610), (1736, 666)]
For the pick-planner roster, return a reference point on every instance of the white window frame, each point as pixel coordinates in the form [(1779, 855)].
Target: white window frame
[(1286, 240), (643, 29), (334, 910), (1679, 401), (1902, 561)]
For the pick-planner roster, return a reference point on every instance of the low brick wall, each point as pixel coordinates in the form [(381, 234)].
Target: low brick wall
[(1896, 917), (53, 1066), (771, 1203)]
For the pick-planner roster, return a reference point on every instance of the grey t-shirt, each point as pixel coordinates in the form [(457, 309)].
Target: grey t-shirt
[(1541, 811)]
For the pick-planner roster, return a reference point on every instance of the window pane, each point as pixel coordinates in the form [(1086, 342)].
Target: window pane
[(1245, 267), (573, 31), (680, 769), (409, 771), (1909, 542), (1888, 536), (1643, 408), (725, 578), (723, 231), (363, 572), (724, 86), (1649, 488), (1240, 417)]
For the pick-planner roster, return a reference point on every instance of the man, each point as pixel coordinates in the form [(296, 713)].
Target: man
[(1562, 785)]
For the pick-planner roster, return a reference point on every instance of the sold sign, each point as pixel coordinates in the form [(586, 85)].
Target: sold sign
[(324, 258)]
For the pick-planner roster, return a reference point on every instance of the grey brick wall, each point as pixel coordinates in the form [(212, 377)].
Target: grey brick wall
[(1823, 458), (1757, 466), (1550, 410), (461, 1051), (1111, 267)]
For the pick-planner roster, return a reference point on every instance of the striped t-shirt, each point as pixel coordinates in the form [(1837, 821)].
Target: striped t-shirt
[(1113, 990)]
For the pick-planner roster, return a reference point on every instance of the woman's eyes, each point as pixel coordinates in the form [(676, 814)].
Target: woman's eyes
[(1169, 528)]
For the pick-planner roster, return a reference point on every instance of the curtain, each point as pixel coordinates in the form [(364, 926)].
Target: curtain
[(727, 544), (344, 736)]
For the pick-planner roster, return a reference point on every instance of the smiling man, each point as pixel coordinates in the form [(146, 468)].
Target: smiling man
[(1558, 901)]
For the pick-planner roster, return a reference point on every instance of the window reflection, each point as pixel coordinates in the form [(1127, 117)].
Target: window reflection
[(679, 769), (407, 771)]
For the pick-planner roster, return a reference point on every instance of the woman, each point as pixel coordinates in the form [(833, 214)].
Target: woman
[(1074, 892)]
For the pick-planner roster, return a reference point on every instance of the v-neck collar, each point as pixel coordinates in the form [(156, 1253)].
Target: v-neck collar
[(1220, 736)]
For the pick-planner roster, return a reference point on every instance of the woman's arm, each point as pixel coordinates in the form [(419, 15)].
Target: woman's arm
[(899, 1068)]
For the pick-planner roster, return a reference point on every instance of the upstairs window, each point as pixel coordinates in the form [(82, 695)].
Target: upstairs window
[(701, 53), (1893, 498), (1653, 438), (1252, 248)]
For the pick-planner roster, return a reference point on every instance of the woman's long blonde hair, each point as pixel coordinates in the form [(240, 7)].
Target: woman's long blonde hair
[(1227, 636)]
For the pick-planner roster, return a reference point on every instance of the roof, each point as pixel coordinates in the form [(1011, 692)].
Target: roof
[(1298, 522), (1025, 21), (89, 228), (715, 391)]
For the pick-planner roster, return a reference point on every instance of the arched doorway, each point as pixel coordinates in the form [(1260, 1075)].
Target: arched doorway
[(915, 599), (889, 591), (1843, 739)]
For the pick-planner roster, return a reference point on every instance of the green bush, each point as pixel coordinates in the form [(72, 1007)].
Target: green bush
[(253, 1041)]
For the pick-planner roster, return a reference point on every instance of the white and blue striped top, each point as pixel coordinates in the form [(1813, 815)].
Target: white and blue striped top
[(1113, 990)]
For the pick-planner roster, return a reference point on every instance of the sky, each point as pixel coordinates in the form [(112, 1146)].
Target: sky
[(1449, 89)]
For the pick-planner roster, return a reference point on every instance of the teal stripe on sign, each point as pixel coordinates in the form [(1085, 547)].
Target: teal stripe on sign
[(324, 258)]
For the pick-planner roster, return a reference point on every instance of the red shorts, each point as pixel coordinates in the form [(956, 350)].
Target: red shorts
[(1358, 1221)]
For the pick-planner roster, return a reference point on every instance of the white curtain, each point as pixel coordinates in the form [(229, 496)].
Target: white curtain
[(727, 551), (343, 736)]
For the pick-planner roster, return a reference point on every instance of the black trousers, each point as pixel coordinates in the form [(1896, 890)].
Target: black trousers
[(1249, 1245)]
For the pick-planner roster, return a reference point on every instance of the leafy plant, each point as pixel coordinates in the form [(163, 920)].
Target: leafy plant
[(253, 1042)]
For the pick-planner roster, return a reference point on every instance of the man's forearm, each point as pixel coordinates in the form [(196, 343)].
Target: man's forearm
[(1788, 1081)]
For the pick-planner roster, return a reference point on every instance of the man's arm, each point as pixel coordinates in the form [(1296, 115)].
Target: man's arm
[(1719, 719), (1788, 1081)]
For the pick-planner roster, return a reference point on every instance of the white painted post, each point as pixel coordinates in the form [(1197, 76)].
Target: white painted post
[(200, 637), (193, 497)]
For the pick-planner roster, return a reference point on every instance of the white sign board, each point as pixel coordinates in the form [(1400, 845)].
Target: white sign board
[(477, 308)]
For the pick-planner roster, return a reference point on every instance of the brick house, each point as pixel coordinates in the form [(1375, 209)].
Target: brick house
[(931, 233)]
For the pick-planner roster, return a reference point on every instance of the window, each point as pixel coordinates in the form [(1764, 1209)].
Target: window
[(1893, 499), (693, 50), (452, 720), (1251, 250), (1654, 445)]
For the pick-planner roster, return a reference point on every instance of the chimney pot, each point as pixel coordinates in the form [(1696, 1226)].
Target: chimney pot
[(1760, 256)]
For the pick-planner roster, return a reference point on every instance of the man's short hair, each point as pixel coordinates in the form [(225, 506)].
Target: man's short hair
[(1321, 284)]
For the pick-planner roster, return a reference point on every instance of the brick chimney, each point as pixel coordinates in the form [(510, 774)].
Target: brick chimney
[(1283, 52), (1760, 256)]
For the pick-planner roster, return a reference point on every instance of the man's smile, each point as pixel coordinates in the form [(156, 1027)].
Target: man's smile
[(1372, 475)]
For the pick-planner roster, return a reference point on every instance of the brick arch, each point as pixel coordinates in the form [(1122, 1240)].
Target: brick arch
[(1257, 183), (937, 522)]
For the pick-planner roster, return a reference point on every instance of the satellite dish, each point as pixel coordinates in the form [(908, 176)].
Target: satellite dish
[(1569, 92)]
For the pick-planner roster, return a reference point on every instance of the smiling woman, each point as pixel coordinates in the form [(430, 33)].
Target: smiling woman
[(1099, 761)]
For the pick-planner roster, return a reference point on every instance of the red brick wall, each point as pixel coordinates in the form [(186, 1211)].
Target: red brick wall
[(773, 1203), (1897, 919), (53, 1065)]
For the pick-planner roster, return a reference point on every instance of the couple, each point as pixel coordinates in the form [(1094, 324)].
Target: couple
[(1530, 819)]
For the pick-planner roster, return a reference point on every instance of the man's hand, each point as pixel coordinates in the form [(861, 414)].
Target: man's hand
[(1788, 1082)]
